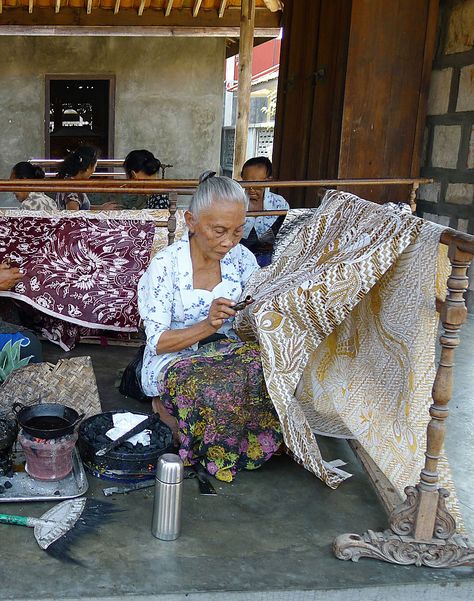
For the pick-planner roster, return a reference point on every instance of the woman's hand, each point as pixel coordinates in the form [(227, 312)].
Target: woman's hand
[(219, 311), (172, 341), (9, 276), (110, 206)]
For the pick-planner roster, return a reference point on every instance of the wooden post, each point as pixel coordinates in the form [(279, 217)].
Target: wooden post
[(247, 23), (173, 196), (453, 315), (413, 192)]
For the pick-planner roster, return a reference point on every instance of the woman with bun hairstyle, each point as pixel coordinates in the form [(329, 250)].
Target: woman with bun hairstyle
[(79, 164), (142, 164), (206, 383), (31, 201)]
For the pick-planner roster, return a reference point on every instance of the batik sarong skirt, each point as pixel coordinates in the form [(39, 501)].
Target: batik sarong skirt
[(226, 419)]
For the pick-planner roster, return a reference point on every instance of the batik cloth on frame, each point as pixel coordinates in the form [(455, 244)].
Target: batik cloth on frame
[(81, 268), (346, 321)]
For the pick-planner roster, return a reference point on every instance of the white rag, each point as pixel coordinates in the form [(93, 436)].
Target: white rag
[(123, 422)]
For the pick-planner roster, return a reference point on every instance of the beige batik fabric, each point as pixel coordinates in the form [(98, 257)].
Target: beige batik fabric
[(346, 322)]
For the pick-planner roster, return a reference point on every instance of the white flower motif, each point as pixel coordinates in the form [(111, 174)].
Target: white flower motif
[(73, 311), (34, 283), (45, 300)]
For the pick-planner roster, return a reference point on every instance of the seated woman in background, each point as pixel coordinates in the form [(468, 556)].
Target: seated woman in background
[(207, 385), (260, 232), (32, 201), (80, 164), (142, 164)]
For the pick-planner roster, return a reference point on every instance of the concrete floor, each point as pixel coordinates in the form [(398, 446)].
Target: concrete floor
[(267, 536)]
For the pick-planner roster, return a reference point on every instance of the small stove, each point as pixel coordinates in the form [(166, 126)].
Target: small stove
[(48, 459)]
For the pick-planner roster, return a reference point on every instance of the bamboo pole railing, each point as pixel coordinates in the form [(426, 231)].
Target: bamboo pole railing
[(185, 186), (147, 185)]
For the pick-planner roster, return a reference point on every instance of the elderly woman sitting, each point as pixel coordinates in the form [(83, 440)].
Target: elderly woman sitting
[(206, 383)]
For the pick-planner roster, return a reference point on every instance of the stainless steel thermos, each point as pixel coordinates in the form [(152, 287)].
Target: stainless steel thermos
[(166, 523)]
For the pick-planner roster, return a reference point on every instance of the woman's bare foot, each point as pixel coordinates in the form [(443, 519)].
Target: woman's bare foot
[(166, 418)]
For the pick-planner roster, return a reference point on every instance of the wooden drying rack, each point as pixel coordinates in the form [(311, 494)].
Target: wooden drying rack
[(421, 530)]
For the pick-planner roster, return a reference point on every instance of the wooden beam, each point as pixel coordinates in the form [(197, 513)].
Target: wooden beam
[(169, 6), (116, 7), (1, 6), (179, 22), (196, 7), (247, 26), (57, 6), (125, 31), (30, 6), (383, 487), (89, 7), (222, 8), (141, 8), (172, 184)]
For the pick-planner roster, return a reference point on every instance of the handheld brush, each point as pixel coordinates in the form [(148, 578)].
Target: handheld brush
[(56, 530)]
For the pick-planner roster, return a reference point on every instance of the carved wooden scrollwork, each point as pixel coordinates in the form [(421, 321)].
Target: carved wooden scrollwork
[(445, 524), (390, 547), (403, 517)]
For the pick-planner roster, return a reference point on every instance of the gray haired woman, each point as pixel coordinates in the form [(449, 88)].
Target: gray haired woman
[(205, 383)]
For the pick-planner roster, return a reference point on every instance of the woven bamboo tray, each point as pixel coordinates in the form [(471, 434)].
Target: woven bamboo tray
[(70, 382)]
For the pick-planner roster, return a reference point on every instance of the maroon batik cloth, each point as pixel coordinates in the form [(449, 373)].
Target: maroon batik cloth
[(79, 272)]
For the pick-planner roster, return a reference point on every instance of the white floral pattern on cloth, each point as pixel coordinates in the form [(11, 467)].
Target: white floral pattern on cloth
[(346, 322), (81, 269), (167, 300), (271, 202)]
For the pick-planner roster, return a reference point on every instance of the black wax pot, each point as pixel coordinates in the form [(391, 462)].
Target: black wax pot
[(8, 434), (128, 461)]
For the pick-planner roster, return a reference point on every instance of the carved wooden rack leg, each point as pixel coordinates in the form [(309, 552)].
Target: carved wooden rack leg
[(422, 531)]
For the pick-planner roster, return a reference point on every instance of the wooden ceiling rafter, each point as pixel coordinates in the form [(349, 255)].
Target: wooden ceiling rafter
[(141, 8), (222, 8), (169, 6), (273, 5), (116, 7), (196, 7)]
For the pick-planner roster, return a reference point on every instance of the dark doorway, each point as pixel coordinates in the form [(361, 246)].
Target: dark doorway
[(79, 111)]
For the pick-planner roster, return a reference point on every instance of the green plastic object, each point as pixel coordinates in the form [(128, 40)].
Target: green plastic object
[(10, 359), (17, 520)]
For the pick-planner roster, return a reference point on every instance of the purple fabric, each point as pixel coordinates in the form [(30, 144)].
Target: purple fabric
[(81, 271)]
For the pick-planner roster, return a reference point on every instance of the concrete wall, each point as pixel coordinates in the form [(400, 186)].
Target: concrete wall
[(169, 95), (449, 135)]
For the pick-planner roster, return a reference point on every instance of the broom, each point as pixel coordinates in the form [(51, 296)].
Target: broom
[(56, 530)]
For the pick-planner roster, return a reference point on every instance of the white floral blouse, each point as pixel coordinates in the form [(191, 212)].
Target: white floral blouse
[(37, 201), (168, 301), (271, 202)]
